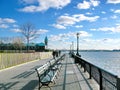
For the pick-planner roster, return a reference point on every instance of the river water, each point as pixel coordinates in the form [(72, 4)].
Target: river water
[(109, 61)]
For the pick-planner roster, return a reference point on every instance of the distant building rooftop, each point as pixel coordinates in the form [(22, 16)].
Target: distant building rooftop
[(40, 44), (37, 44)]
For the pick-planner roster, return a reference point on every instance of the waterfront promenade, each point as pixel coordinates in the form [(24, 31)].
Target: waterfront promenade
[(24, 77)]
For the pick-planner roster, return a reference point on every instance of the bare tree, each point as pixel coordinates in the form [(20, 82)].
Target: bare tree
[(29, 32), (18, 43)]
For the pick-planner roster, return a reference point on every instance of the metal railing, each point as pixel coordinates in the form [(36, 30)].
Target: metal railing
[(105, 79)]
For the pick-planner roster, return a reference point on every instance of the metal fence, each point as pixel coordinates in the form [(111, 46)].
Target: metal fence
[(105, 79), (12, 59)]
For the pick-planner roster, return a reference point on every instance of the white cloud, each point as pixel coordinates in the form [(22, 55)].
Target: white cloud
[(107, 29), (103, 12), (112, 10), (102, 44), (117, 24), (7, 20), (95, 2), (67, 20), (55, 38), (117, 11), (107, 40), (113, 1), (87, 5), (114, 17), (82, 17), (4, 22), (42, 31), (79, 26), (84, 5), (66, 36), (111, 29), (16, 30), (4, 26), (44, 5), (60, 45), (15, 26), (64, 41), (31, 8), (59, 37), (58, 26), (84, 43), (84, 34), (88, 13), (93, 29)]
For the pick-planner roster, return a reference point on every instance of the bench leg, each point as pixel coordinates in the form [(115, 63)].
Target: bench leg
[(49, 87), (44, 85), (40, 85), (54, 81)]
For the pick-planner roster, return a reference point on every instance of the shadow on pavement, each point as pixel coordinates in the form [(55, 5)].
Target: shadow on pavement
[(30, 85), (7, 86), (24, 74)]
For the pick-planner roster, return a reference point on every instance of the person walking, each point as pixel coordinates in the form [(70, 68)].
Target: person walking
[(54, 54)]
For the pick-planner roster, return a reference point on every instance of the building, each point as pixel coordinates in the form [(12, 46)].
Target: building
[(40, 47)]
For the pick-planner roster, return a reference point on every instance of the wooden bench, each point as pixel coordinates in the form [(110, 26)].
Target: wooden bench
[(48, 72)]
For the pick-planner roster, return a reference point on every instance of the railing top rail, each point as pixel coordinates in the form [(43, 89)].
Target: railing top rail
[(116, 76)]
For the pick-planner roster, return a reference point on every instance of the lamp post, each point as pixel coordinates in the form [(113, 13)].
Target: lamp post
[(77, 44), (72, 47), (77, 58)]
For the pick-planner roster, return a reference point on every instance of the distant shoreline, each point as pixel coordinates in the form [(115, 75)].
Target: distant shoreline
[(99, 50), (95, 50)]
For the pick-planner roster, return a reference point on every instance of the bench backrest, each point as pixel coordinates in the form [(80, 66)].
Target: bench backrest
[(41, 71)]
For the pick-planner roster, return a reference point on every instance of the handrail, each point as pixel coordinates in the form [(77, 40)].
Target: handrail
[(105, 79), (97, 66)]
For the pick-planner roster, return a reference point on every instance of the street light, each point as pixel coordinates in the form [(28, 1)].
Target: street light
[(72, 47), (77, 44), (77, 58)]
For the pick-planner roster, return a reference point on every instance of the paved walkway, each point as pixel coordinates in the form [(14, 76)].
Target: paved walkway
[(24, 77)]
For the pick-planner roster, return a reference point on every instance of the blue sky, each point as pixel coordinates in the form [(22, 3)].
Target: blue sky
[(97, 21)]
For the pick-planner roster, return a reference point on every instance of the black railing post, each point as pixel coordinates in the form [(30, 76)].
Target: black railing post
[(118, 83), (90, 72), (84, 67), (76, 59), (100, 79)]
